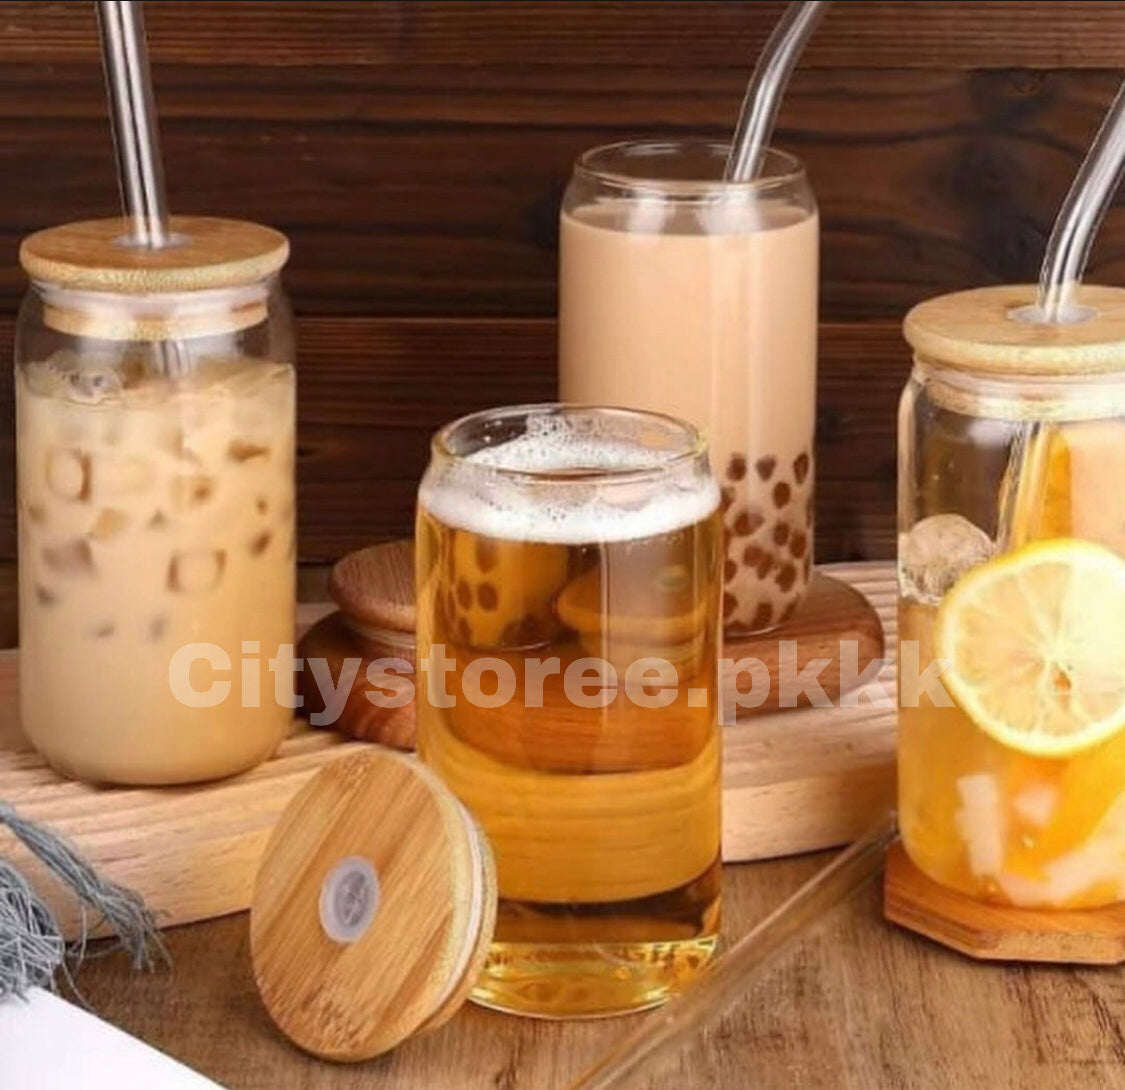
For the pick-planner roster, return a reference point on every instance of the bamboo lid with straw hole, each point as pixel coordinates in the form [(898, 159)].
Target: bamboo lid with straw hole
[(373, 909), (97, 282), (991, 331)]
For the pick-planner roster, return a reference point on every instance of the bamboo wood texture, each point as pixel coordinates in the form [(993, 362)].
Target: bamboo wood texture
[(792, 782), (431, 899), (1092, 936)]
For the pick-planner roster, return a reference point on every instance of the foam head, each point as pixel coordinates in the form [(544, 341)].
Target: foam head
[(570, 481)]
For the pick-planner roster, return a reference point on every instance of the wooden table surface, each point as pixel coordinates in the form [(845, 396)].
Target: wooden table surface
[(856, 1005)]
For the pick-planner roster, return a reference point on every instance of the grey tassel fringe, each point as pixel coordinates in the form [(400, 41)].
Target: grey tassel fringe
[(32, 948)]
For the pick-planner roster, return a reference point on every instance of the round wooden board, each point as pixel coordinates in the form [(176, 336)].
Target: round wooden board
[(990, 932), (836, 628)]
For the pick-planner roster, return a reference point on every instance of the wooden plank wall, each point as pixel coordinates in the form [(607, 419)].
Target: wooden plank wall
[(415, 152)]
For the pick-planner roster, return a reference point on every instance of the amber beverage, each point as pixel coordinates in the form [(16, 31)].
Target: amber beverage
[(567, 551)]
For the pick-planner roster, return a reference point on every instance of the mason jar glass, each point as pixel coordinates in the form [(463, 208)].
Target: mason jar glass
[(155, 400), (683, 293), (1011, 747)]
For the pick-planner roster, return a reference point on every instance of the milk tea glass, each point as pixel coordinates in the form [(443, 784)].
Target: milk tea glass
[(685, 294), (155, 403), (568, 583), (1011, 768)]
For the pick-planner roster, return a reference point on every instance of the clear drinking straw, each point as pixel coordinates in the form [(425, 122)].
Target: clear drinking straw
[(767, 86), (1078, 221), (701, 1003), (140, 171)]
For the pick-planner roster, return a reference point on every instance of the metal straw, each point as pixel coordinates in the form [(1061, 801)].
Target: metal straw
[(664, 1033), (767, 86), (140, 171), (1081, 215)]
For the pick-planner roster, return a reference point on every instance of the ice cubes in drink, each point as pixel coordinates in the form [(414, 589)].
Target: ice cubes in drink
[(936, 552)]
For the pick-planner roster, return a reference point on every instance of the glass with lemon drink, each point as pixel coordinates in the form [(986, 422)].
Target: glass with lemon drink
[(1012, 598)]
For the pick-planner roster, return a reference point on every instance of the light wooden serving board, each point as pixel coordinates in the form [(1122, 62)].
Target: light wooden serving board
[(793, 781)]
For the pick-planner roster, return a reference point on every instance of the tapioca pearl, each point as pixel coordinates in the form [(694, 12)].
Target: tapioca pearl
[(726, 498), (747, 522), (730, 604), (44, 595), (781, 494), (736, 468), (461, 628), (157, 522), (68, 475), (70, 558), (157, 627), (765, 467), (196, 571), (765, 565), (103, 631), (798, 542), (263, 505), (487, 598), (35, 512), (730, 570), (762, 615), (786, 576), (801, 467), (524, 633), (780, 534), (464, 594)]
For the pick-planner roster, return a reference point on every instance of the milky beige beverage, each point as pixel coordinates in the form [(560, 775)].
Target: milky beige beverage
[(700, 300), (154, 514)]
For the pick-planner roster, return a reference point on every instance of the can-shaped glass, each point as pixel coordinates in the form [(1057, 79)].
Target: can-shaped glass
[(683, 293), (568, 568), (1011, 570), (155, 401)]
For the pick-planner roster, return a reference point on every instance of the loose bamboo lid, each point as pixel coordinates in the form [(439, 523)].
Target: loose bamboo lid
[(976, 331), (373, 908), (374, 587)]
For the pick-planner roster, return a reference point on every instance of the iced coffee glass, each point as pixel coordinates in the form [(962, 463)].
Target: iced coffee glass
[(1011, 767), (155, 429), (685, 294)]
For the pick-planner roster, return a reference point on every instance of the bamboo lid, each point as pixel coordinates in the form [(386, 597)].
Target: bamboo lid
[(374, 587), (94, 255), (975, 331), (373, 908)]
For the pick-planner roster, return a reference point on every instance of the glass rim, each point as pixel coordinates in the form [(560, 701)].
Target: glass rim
[(695, 445), (788, 168)]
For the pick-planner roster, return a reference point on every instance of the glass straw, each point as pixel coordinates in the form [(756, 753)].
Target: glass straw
[(140, 171), (666, 1031), (1072, 237), (767, 86)]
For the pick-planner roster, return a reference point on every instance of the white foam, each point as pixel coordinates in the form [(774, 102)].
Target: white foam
[(477, 495)]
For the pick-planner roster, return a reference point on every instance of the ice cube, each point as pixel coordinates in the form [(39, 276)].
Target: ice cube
[(68, 474), (94, 383), (243, 450), (109, 523), (121, 476), (937, 552), (74, 557), (192, 490), (196, 571)]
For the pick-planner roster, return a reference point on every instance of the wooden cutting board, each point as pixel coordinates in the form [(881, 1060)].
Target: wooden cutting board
[(793, 781)]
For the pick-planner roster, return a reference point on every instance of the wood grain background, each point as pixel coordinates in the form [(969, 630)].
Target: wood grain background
[(415, 152)]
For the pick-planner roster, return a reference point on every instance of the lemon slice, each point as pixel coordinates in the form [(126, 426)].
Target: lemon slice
[(1036, 645)]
